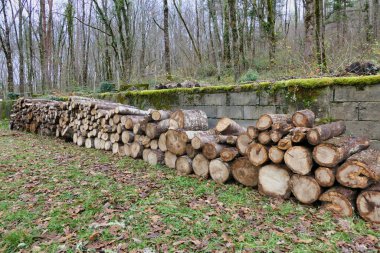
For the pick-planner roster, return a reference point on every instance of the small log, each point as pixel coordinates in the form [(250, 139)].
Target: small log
[(305, 188), (303, 118), (299, 160), (155, 157), (97, 144), (243, 142), (184, 166), (335, 150), (162, 142), (368, 204), (201, 139), (339, 200), (170, 159), (121, 151), (201, 166), (285, 143), (108, 145), (220, 171), (190, 151), (127, 137), (115, 148), (154, 144), (275, 136), (267, 120), (230, 139), (132, 120), (244, 172), (191, 119), (264, 137), (137, 129), (136, 150), (276, 155), (229, 127), (257, 154), (81, 141), (145, 154), (274, 181), (252, 132), (324, 132), (228, 154), (325, 176), (154, 130), (212, 150), (90, 143), (360, 170), (158, 115), (299, 134), (127, 150), (176, 140)]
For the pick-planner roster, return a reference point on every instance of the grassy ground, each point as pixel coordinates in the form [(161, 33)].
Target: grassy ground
[(55, 196)]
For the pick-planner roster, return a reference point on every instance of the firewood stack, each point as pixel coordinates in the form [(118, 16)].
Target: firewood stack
[(282, 155)]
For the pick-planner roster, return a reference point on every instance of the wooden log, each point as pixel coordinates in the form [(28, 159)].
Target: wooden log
[(108, 145), (155, 157), (285, 143), (128, 110), (324, 132), (195, 120), (257, 154), (303, 118), (228, 139), (136, 150), (127, 137), (227, 126), (325, 176), (242, 143), (81, 141), (132, 120), (115, 148), (137, 129), (252, 132), (245, 172), (305, 188), (299, 134), (145, 154), (275, 136), (90, 143), (264, 137), (267, 120), (360, 170), (162, 142), (228, 154), (184, 166), (127, 150), (121, 150), (158, 115), (201, 139), (220, 171), (176, 140), (97, 144), (299, 160), (154, 130), (154, 144), (274, 181), (190, 151), (368, 203), (212, 150), (339, 200), (170, 159), (335, 150), (201, 166), (276, 155)]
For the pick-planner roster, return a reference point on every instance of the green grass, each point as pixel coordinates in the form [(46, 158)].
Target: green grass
[(55, 196)]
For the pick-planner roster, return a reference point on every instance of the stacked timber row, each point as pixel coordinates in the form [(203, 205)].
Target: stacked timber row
[(282, 155)]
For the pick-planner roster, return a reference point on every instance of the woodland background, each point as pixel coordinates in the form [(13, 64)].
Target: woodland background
[(75, 45)]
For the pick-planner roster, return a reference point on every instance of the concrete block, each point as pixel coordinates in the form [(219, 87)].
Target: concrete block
[(369, 111), (375, 144), (244, 98), (233, 112), (369, 93), (254, 112), (189, 99), (272, 99), (369, 129), (209, 110), (214, 99), (344, 110)]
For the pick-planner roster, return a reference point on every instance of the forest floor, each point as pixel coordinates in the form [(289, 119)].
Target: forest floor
[(57, 197)]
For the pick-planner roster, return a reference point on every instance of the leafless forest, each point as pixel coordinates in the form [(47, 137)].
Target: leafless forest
[(66, 45)]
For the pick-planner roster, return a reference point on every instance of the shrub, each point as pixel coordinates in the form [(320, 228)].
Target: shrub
[(206, 71), (13, 96), (249, 76), (106, 87), (140, 86)]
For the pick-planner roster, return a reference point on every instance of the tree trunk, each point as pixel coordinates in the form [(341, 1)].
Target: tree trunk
[(167, 40), (235, 36), (190, 119)]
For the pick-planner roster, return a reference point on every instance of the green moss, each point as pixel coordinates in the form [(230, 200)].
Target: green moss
[(140, 86)]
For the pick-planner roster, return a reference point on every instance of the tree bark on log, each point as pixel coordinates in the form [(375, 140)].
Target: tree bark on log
[(333, 151), (325, 176), (228, 154), (299, 160), (267, 120), (220, 171), (201, 166), (305, 188), (368, 204), (360, 170), (212, 150), (324, 132), (257, 154), (158, 115), (303, 118), (154, 130), (195, 120), (298, 134), (276, 155), (227, 126), (339, 200), (184, 166), (274, 181), (245, 172)]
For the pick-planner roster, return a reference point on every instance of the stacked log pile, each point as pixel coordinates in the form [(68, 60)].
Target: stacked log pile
[(282, 155)]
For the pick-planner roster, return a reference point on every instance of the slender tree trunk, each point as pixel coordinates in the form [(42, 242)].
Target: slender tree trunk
[(234, 31), (272, 33), (5, 44), (309, 30), (226, 35), (167, 41), (21, 49)]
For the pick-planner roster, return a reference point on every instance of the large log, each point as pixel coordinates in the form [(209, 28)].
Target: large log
[(276, 155), (227, 126), (325, 176), (274, 181), (176, 140), (267, 120), (201, 166), (220, 171), (201, 139), (324, 132), (243, 142), (155, 157), (339, 200), (170, 159), (303, 118), (305, 188), (136, 150), (257, 154), (360, 170), (368, 203), (212, 150), (333, 151), (228, 154), (245, 172), (299, 160), (184, 166), (190, 119)]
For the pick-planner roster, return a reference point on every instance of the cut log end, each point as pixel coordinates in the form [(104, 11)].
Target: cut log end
[(184, 166), (368, 204), (274, 181), (299, 160), (339, 200), (305, 188), (201, 166), (245, 172), (220, 171)]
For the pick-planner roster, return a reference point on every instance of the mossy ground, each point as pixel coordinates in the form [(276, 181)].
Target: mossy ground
[(55, 196)]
